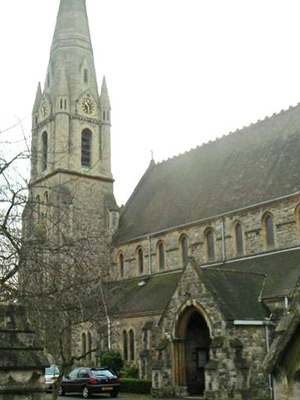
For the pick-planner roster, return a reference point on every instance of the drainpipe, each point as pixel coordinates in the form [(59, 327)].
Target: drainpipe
[(271, 389), (149, 255), (223, 241), (107, 318)]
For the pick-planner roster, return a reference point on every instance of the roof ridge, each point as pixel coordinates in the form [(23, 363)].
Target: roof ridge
[(235, 271), (230, 134)]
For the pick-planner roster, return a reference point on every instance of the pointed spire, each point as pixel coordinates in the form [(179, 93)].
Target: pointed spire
[(38, 98), (104, 98), (72, 26), (72, 53), (63, 88)]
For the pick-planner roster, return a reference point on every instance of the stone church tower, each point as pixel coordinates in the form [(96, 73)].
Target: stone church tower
[(71, 186)]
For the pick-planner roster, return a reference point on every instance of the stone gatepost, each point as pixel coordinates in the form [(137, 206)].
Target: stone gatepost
[(22, 360)]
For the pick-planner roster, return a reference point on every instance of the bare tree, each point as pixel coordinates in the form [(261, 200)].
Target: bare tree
[(14, 157), (53, 264)]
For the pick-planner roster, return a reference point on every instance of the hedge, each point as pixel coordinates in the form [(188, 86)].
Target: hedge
[(139, 386)]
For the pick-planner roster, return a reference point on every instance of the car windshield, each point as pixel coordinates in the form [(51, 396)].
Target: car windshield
[(102, 372), (53, 370)]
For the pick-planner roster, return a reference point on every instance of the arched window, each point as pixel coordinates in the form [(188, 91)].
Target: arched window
[(184, 249), (121, 265), (44, 150), (83, 343), (269, 231), (239, 240), (131, 345), (38, 207), (86, 139), (161, 256), (210, 245), (89, 345), (125, 346), (140, 256)]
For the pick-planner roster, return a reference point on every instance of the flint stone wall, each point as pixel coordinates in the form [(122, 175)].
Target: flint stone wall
[(22, 360)]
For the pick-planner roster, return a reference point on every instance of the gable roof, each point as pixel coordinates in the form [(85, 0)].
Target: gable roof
[(141, 295), (281, 268), (253, 165), (237, 293), (229, 289)]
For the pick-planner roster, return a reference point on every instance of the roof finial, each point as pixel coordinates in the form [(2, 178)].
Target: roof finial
[(152, 155)]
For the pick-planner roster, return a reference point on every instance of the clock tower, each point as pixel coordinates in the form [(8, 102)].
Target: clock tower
[(71, 185)]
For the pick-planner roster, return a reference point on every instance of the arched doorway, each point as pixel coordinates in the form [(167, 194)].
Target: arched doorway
[(191, 350)]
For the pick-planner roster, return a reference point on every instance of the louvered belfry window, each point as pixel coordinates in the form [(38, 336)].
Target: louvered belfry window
[(86, 139)]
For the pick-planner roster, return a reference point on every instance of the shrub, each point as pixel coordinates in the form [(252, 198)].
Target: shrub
[(130, 371), (111, 359), (139, 386)]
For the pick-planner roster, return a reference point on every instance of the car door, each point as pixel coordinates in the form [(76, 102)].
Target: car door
[(82, 378), (70, 381)]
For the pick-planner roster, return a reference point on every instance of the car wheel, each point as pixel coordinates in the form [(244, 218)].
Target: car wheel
[(114, 393), (85, 392), (61, 391)]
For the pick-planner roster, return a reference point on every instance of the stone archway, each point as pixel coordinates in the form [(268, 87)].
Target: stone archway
[(191, 349)]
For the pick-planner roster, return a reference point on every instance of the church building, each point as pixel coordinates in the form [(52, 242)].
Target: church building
[(204, 257)]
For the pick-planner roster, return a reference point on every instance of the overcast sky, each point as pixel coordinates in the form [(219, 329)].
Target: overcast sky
[(179, 72)]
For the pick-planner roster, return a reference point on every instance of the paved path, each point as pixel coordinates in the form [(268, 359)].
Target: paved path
[(105, 397), (121, 396)]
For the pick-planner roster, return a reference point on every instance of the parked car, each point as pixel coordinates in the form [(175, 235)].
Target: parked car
[(88, 381), (51, 374)]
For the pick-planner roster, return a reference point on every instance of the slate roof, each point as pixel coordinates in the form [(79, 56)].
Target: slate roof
[(237, 293), (250, 166), (282, 270), (236, 286), (131, 297)]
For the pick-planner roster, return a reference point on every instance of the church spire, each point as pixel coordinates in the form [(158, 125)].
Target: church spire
[(72, 52), (79, 139), (72, 28)]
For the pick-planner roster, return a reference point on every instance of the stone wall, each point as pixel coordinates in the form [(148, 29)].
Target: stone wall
[(143, 328), (22, 361), (236, 353), (286, 227)]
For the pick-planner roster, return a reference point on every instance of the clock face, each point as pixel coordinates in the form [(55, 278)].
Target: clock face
[(87, 106), (44, 110)]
